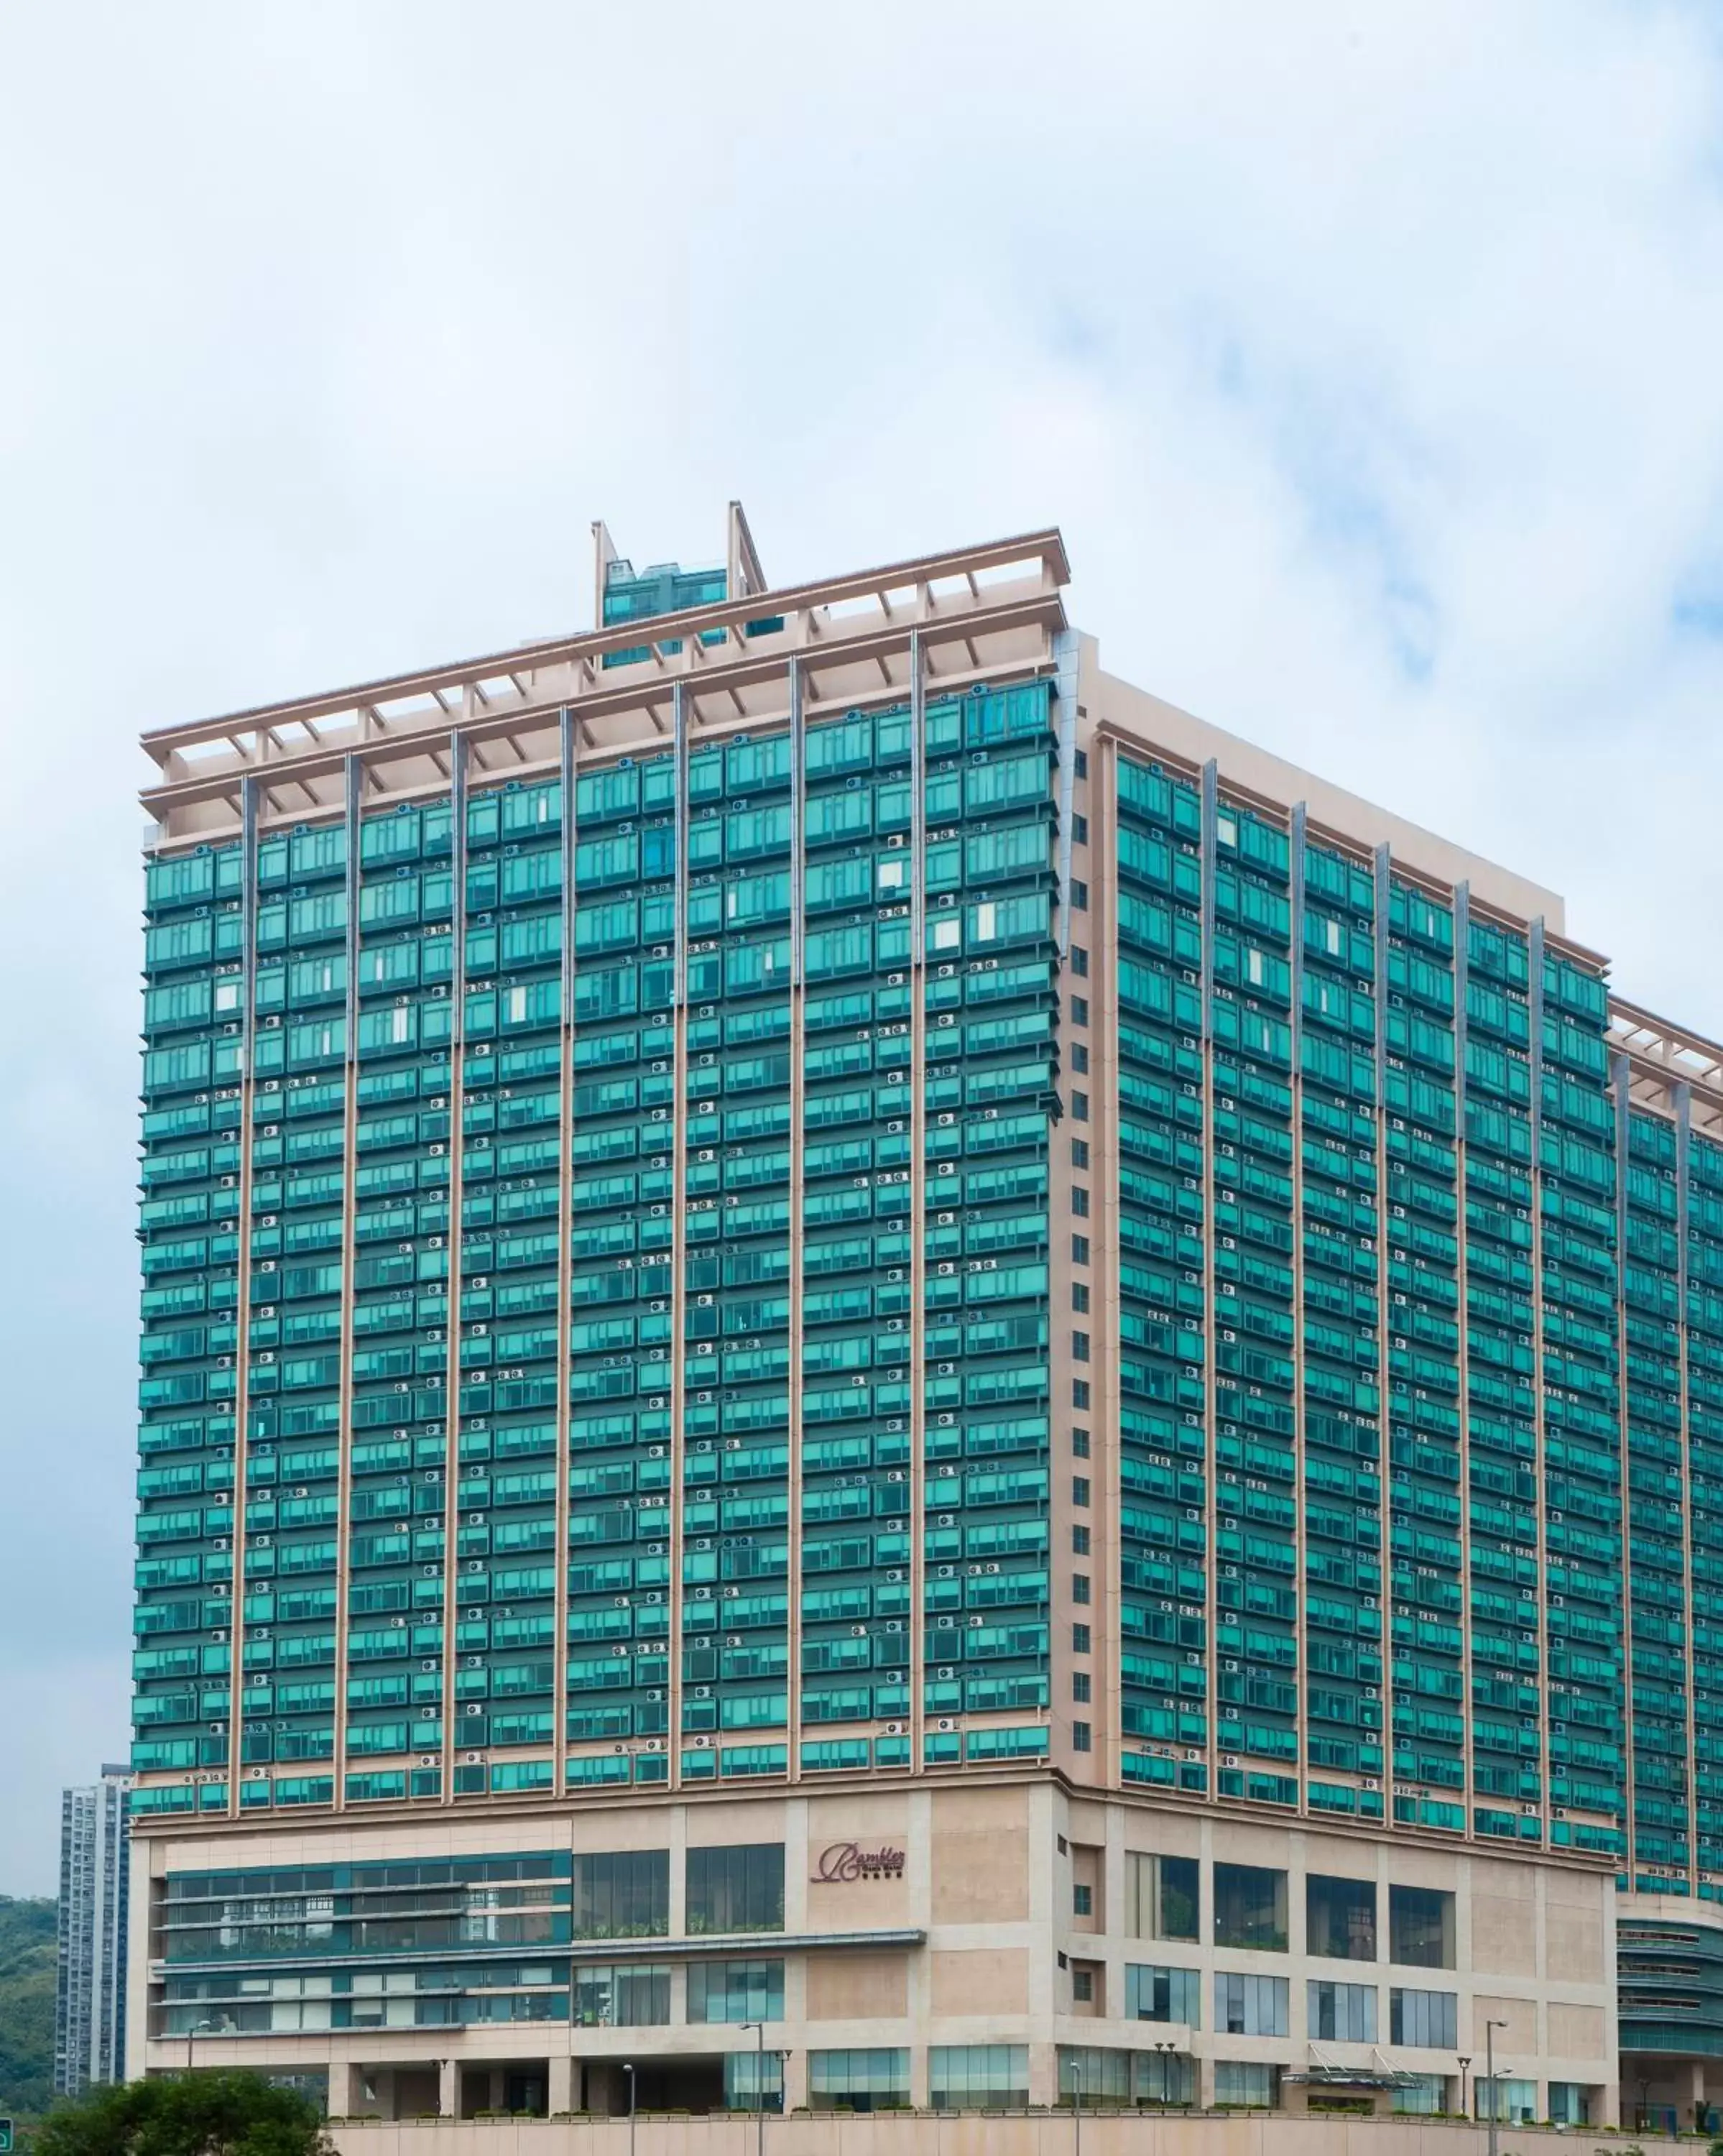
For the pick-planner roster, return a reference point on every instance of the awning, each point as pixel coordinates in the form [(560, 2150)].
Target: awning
[(1358, 2077)]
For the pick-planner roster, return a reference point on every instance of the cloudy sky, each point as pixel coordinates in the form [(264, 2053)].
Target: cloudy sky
[(1368, 357)]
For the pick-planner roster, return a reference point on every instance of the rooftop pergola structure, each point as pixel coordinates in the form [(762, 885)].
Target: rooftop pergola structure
[(974, 615)]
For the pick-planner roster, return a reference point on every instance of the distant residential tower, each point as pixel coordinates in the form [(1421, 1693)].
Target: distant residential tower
[(95, 1880)]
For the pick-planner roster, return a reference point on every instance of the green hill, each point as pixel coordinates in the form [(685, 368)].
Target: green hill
[(27, 1973)]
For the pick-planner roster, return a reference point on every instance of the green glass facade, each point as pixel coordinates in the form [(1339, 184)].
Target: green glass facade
[(1393, 1116), (498, 1274)]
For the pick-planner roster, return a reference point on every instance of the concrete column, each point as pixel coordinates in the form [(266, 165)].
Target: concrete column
[(559, 2086), (920, 2094), (919, 1998), (794, 1817), (448, 2088), (795, 2081), (340, 2088), (678, 1839)]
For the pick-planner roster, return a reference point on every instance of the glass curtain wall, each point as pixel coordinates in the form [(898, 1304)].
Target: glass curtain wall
[(498, 1268)]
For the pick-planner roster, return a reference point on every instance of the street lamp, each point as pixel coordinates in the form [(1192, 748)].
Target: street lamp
[(1463, 2063), (199, 2029), (1490, 2030), (759, 2030), (1166, 2047), (1076, 2105), (629, 2071)]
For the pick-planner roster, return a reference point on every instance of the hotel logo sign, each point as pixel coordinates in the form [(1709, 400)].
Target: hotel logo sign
[(844, 1861)]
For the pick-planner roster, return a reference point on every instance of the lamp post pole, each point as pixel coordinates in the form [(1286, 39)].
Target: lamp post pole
[(629, 2071), (1490, 2030), (1463, 2063), (1077, 2106), (198, 2029), (759, 2030)]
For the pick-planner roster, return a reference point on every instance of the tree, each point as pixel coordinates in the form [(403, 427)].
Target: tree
[(213, 2114), (27, 1972)]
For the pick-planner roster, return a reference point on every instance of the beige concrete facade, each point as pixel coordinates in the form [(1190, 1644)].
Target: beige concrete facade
[(1100, 2135), (975, 1941)]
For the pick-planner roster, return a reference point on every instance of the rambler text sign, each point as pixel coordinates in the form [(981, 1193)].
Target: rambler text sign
[(842, 1861)]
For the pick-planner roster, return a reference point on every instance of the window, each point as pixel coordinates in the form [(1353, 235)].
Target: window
[(1080, 1443), (1425, 2019), (1079, 1108), (1249, 2005), (1080, 1010), (624, 1895), (1080, 1393), (1249, 1907), (1079, 1203), (858, 2080), (1570, 2104), (1083, 1987), (1080, 1588), (1342, 2012), (1422, 2096), (1340, 1918), (1163, 1994), (622, 1997), (753, 2081), (978, 2076), (1080, 1297), (1079, 961), (1079, 764), (1079, 1639), (1244, 2082), (736, 1991), (1421, 1926), (1082, 1686), (1079, 1152), (1079, 1250), (1160, 1895), (736, 1889), (1081, 1737), (1080, 1058), (1079, 1542), (1515, 2101), (1080, 830), (1082, 1900), (1079, 896), (1080, 1346), (1079, 1490)]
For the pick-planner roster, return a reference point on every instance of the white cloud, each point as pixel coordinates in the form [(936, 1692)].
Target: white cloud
[(1368, 357)]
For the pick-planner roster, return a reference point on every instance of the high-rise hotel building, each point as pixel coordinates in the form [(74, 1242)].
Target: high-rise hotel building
[(845, 1328)]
